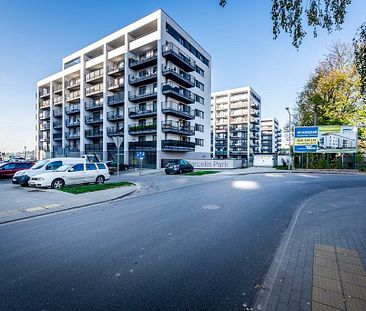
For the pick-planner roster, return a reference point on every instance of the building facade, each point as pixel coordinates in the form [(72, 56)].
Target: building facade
[(149, 83), (235, 124), (270, 135)]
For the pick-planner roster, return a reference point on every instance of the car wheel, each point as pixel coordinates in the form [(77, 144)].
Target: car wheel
[(100, 180), (57, 183)]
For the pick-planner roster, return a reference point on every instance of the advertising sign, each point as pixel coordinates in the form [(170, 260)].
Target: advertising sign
[(325, 139)]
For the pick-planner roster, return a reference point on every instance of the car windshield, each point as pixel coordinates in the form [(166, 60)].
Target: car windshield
[(173, 162), (63, 168), (39, 164)]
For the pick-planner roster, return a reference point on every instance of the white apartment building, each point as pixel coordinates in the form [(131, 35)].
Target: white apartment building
[(149, 83), (235, 119), (270, 135)]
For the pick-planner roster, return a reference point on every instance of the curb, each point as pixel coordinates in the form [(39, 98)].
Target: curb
[(69, 208)]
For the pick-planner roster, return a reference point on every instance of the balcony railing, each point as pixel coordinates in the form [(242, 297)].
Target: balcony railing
[(116, 69), (57, 136), (183, 78), (44, 138), (93, 120), (238, 128), (44, 115), (57, 100), (58, 88), (178, 110), (71, 109), (44, 93), (72, 96), (44, 104), (115, 131), (142, 145), (116, 99), (93, 147), (72, 123), (72, 148), (142, 129), (94, 75), (138, 112), (253, 104), (93, 133), (115, 116), (94, 105), (177, 145), (254, 112), (137, 64), (44, 126), (254, 120), (57, 124), (71, 135), (174, 54), (57, 113), (94, 89), (148, 94), (179, 93), (73, 83), (170, 126), (255, 128), (137, 81), (116, 84)]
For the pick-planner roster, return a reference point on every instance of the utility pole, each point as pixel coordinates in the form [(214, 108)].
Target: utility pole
[(289, 138)]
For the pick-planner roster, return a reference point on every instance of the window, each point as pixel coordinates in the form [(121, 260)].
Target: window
[(200, 71), (53, 165), (200, 85), (200, 99), (199, 127), (90, 166), (200, 114), (199, 142), (9, 167), (142, 138), (101, 166), (77, 168)]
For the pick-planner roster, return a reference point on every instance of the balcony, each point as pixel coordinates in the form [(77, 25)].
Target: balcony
[(221, 152), (238, 152), (44, 139), (71, 135), (45, 115), (116, 70), (44, 104), (116, 85), (115, 116), (142, 96), (93, 133), (72, 148), (174, 91), (181, 77), (177, 145), (93, 148), (142, 145), (148, 61), (73, 96), (175, 127), (94, 105), (255, 128), (253, 104), (58, 89), (238, 128), (94, 90), (136, 129), (44, 126), (73, 84), (117, 99), (57, 136), (57, 125), (254, 120), (45, 93), (172, 53), (178, 110), (57, 100), (140, 112), (115, 131), (57, 113), (94, 76), (72, 123), (221, 129), (138, 81), (72, 109), (93, 120), (254, 113)]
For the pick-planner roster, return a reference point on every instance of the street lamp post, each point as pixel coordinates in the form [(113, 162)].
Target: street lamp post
[(289, 138)]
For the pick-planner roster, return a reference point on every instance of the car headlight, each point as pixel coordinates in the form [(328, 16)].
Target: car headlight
[(38, 178)]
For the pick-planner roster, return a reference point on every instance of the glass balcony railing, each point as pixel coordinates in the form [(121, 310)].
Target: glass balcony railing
[(70, 109), (116, 100), (141, 62), (73, 96), (142, 128), (93, 119), (73, 83), (142, 145), (94, 75), (177, 92), (94, 89), (177, 145), (72, 135), (178, 110), (117, 83), (140, 80), (93, 133), (174, 54), (94, 105), (144, 111), (147, 94), (115, 116), (171, 126), (179, 76), (116, 69), (115, 131)]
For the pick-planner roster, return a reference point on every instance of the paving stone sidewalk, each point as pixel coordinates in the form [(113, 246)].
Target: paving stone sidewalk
[(323, 265)]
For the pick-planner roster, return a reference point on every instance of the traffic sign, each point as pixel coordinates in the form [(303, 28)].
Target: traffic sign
[(140, 155), (118, 141)]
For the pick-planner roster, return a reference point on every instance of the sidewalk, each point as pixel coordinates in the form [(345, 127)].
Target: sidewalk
[(320, 264)]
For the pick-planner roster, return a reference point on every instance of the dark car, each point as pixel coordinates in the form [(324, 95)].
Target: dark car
[(178, 167), (8, 169), (112, 166)]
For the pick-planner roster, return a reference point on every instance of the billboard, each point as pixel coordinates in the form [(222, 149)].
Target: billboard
[(325, 139)]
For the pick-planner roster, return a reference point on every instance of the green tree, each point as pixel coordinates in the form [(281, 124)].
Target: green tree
[(359, 45)]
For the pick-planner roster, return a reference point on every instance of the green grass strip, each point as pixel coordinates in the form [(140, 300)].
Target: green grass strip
[(78, 189), (199, 173)]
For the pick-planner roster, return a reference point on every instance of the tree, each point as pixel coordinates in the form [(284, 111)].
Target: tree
[(288, 15), (359, 45)]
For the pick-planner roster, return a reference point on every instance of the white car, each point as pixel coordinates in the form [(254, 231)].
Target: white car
[(72, 174)]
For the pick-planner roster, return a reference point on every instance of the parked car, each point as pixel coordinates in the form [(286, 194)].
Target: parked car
[(112, 166), (8, 169), (44, 166), (72, 174), (178, 167)]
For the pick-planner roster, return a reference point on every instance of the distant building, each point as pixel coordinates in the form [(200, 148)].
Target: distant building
[(335, 141), (235, 124), (270, 133)]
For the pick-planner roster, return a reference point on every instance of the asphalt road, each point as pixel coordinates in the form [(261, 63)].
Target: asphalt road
[(200, 247)]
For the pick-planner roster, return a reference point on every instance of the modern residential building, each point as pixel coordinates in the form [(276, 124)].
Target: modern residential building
[(235, 124), (270, 135), (149, 83)]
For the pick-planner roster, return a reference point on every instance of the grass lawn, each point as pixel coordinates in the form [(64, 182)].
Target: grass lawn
[(78, 189), (283, 167), (199, 173)]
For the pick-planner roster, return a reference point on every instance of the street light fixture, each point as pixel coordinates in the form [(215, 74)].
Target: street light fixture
[(289, 138)]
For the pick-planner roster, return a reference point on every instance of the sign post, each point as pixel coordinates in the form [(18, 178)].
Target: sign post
[(117, 141), (140, 156)]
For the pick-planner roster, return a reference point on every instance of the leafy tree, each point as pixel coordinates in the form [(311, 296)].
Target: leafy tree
[(288, 15), (359, 45)]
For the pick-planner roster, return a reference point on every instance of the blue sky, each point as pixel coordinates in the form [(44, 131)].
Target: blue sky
[(36, 35)]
